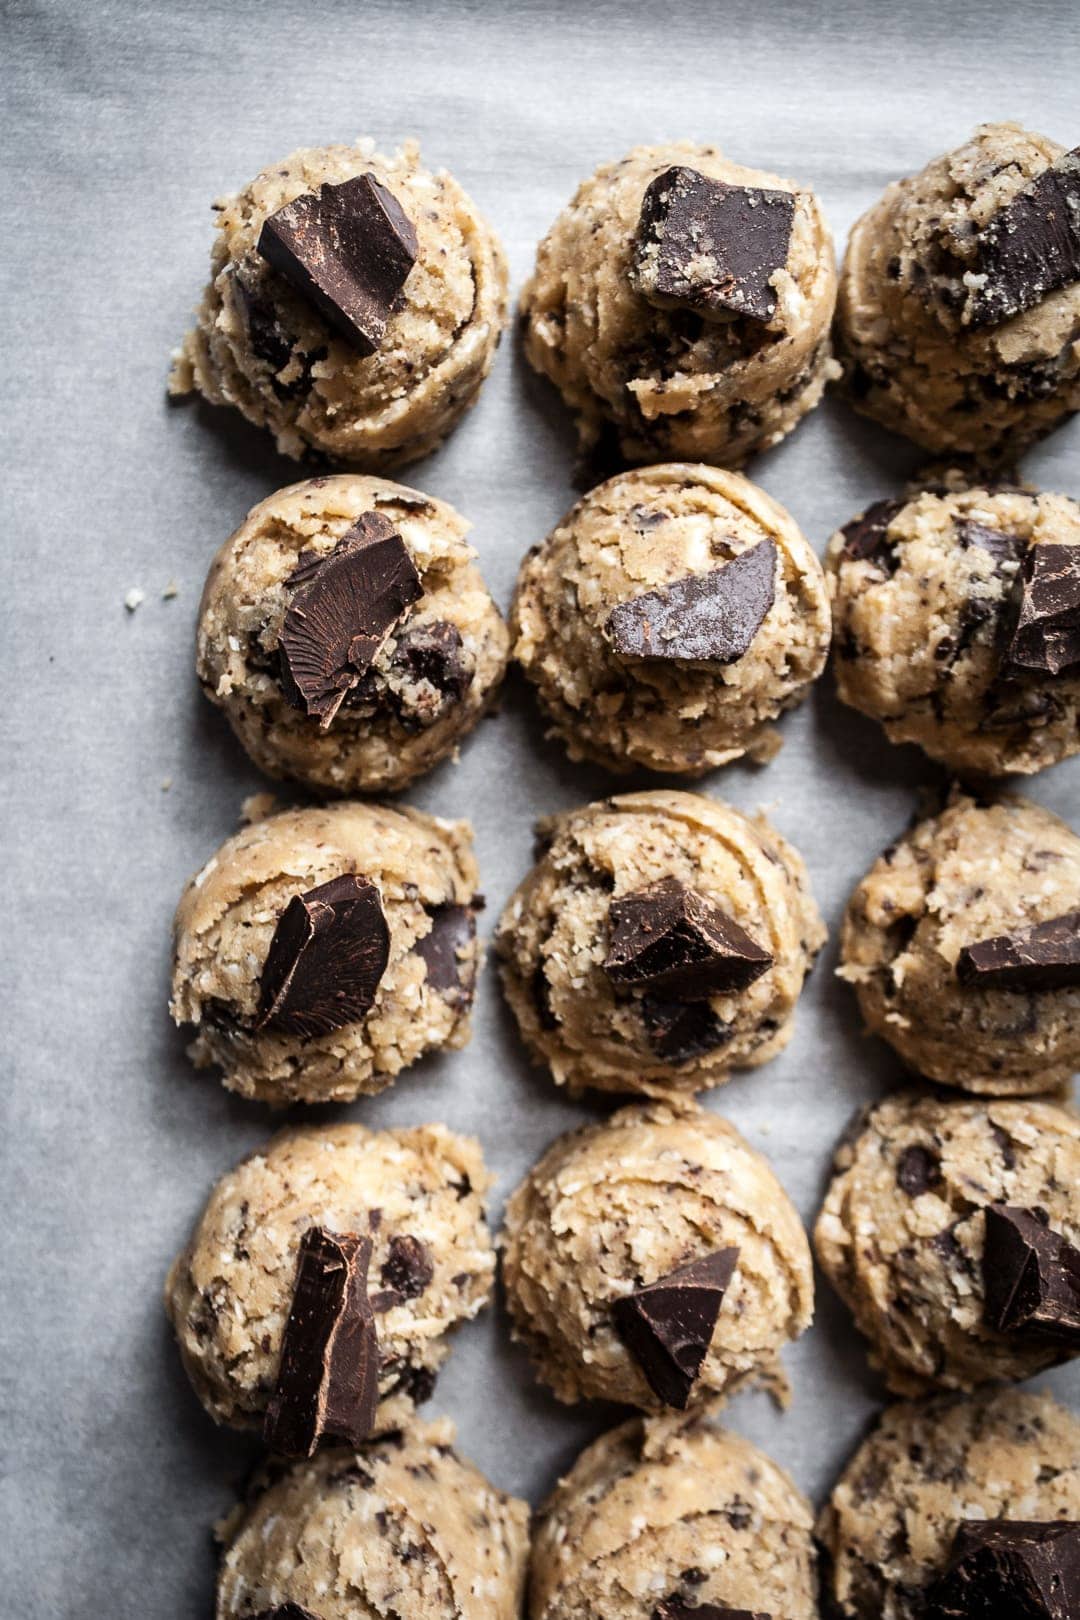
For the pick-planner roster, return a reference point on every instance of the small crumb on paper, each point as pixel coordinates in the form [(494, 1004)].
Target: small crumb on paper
[(166, 783), (134, 598), (172, 589), (256, 807)]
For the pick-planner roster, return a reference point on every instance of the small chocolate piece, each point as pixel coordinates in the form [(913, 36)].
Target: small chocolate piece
[(328, 954), (287, 1611), (670, 938), (668, 1325), (451, 969), (1031, 1276), (1046, 957), (674, 1608), (328, 1377), (1010, 1569), (712, 617), (1003, 547), (435, 653), (345, 605), (1047, 634), (919, 1168), (864, 536), (681, 1030), (706, 246), (408, 1268), (348, 250), (1029, 248)]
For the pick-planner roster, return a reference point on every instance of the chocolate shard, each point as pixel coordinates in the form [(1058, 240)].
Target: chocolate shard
[(1003, 547), (1046, 957), (668, 937), (408, 1268), (865, 536), (344, 607), (435, 653), (711, 617), (1029, 248), (1010, 1569), (447, 953), (668, 1325), (674, 1608), (328, 1377), (348, 250), (1031, 1276), (918, 1169), (679, 1031), (710, 247), (287, 1611), (1047, 633), (326, 959)]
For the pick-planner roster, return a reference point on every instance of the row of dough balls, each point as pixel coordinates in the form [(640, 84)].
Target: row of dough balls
[(680, 301)]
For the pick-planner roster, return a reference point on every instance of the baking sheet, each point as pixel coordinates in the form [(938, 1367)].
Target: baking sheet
[(121, 122)]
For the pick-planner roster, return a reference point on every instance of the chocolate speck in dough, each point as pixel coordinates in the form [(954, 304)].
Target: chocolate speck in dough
[(328, 954)]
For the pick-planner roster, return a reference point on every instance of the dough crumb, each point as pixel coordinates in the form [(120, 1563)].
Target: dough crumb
[(134, 599)]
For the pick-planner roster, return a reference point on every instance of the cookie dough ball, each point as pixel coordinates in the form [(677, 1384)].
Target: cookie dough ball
[(958, 321), (368, 330), (685, 301), (889, 1525), (417, 1194), (908, 1238), (660, 941), (670, 617), (321, 951), (596, 1230), (347, 635), (663, 1516), (944, 629), (963, 945), (403, 1526)]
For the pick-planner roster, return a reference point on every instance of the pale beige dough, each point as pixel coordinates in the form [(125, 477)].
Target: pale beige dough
[(921, 627), (909, 360), (635, 534), (902, 1229), (229, 1292), (672, 385), (976, 871), (403, 1526), (888, 1528), (612, 1207), (398, 722), (317, 395), (553, 937), (672, 1507), (225, 922)]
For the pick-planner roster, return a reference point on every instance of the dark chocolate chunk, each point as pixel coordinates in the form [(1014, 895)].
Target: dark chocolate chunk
[(1046, 957), (435, 653), (673, 1608), (408, 1268), (451, 968), (345, 605), (919, 1168), (1003, 547), (864, 536), (328, 954), (681, 1030), (347, 249), (1047, 633), (1029, 248), (713, 617), (670, 938), (328, 1378), (1031, 1276), (706, 246), (668, 1325), (1010, 1569), (287, 1611)]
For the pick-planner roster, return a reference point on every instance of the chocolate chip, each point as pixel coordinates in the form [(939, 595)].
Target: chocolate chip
[(1031, 1276), (865, 536), (1047, 633), (918, 1169), (668, 1325), (348, 250), (447, 953), (286, 1611), (328, 1378), (670, 938), (673, 1608), (1029, 248), (345, 605), (1015, 1568), (328, 954), (712, 617), (1046, 957), (434, 653), (408, 1268), (707, 246), (1002, 546), (681, 1030)]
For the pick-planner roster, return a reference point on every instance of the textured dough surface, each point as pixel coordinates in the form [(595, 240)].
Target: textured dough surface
[(402, 1527), (229, 1293), (674, 386), (888, 1528), (553, 937), (638, 533), (902, 1229), (226, 919), (920, 629), (376, 411), (969, 874), (396, 724), (908, 360), (672, 1507), (612, 1207)]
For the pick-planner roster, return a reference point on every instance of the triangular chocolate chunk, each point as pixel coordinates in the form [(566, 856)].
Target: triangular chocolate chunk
[(1029, 248), (1010, 1569), (712, 618), (1031, 1276), (1046, 637), (1045, 957), (668, 937), (326, 959), (668, 1325)]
